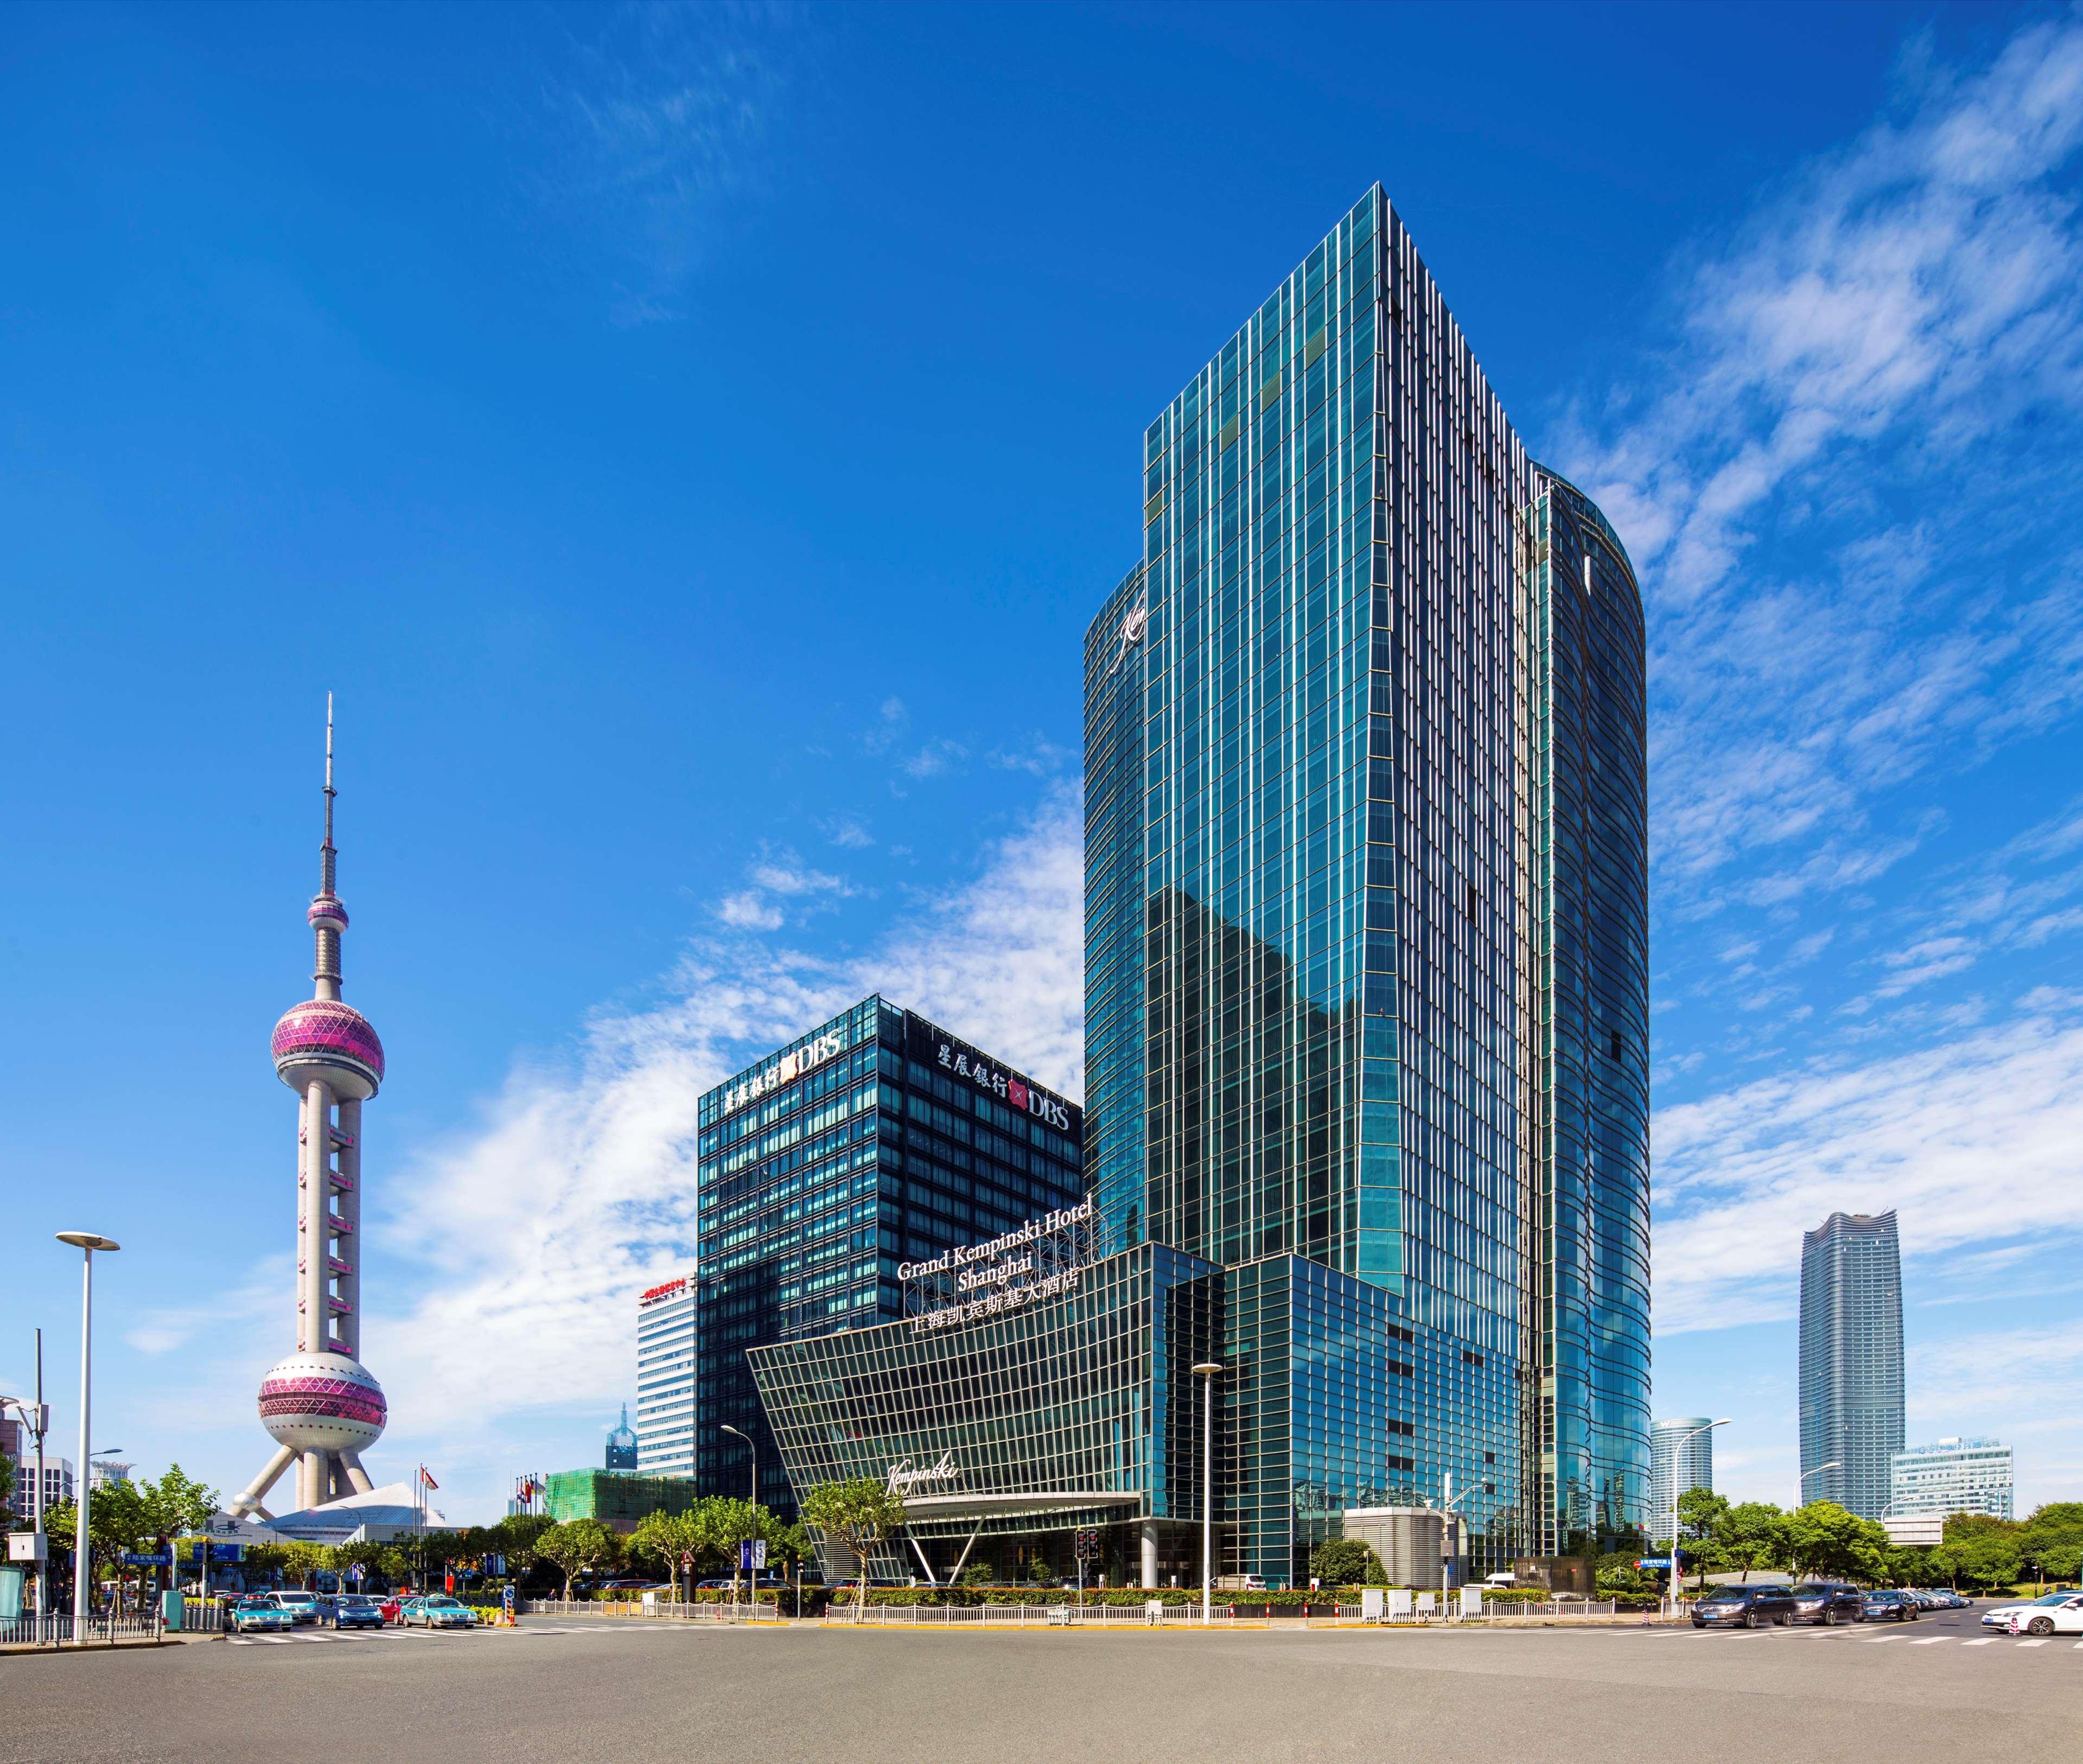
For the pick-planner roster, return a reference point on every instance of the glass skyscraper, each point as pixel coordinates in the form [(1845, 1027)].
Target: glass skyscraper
[(875, 1138), (1851, 1361), (1681, 1456), (1367, 927)]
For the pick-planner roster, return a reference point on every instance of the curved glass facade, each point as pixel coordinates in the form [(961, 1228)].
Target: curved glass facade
[(1365, 797)]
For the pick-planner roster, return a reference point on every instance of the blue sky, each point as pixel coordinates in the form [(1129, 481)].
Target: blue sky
[(690, 444)]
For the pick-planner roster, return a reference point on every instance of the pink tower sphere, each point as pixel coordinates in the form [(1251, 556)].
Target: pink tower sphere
[(325, 1039)]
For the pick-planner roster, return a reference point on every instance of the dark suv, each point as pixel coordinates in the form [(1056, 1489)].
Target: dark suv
[(1745, 1606), (1829, 1602)]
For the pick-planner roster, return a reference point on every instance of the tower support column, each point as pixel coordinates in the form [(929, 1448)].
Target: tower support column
[(311, 1235), (347, 1222), (1150, 1552)]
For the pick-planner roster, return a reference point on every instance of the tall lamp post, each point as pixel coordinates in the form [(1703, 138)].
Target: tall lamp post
[(753, 1449), (1207, 1372), (86, 1242), (1801, 1486), (1676, 1492)]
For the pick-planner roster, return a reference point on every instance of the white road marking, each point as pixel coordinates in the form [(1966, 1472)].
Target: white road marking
[(1990, 1641), (2032, 1644), (1931, 1641), (1876, 1641), (242, 1641)]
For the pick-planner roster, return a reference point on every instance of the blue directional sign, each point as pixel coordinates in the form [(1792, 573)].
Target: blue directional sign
[(1653, 1561), (148, 1558)]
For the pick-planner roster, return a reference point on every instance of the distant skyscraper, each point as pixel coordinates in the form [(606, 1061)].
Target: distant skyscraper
[(1367, 924), (622, 1445), (1851, 1361), (1953, 1476), (1675, 1467)]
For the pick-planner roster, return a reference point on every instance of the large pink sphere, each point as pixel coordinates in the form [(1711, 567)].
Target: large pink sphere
[(325, 1039), (322, 1402)]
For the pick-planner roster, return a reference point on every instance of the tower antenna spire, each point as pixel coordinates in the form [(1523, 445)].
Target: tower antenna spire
[(330, 793)]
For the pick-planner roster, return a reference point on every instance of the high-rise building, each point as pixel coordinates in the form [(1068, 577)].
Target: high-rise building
[(1952, 1476), (1681, 1456), (878, 1137), (665, 1378), (1368, 925), (622, 1445), (106, 1471), (321, 1406), (1851, 1361)]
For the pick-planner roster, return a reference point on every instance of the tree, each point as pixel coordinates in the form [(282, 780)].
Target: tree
[(860, 1514), (1747, 1535), (577, 1546), (1981, 1550), (2053, 1539), (1823, 1537), (7, 1479), (1347, 1562), (662, 1537), (1699, 1510), (176, 1503), (302, 1560)]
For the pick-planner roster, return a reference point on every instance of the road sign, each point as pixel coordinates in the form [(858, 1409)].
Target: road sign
[(148, 1558), (1087, 1542), (752, 1555), (1652, 1561)]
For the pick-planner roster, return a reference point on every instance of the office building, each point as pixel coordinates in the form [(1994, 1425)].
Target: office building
[(622, 1445), (1367, 927), (877, 1139), (1056, 1399), (665, 1378), (1952, 1476), (106, 1470), (1851, 1361), (20, 1445), (1681, 1456)]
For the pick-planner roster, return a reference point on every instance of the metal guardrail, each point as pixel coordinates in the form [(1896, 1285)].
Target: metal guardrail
[(54, 1628)]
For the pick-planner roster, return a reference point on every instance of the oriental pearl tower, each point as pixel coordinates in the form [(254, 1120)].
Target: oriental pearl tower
[(320, 1404)]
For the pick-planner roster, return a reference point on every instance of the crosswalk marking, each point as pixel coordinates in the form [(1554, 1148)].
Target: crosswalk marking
[(1931, 1641), (2032, 1644), (1987, 1641), (1876, 1641)]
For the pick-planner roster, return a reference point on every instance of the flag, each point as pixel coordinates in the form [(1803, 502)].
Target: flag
[(426, 1479)]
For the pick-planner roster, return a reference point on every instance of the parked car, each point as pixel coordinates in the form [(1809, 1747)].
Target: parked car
[(304, 1607), (1746, 1606), (1828, 1602), (437, 1610), (1999, 1616), (2065, 1618), (257, 1610), (1926, 1600), (356, 1610), (1891, 1604)]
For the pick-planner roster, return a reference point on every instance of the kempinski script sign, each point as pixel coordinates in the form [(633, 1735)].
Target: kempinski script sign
[(1044, 1258)]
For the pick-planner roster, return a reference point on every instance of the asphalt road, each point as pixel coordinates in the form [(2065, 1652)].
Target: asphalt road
[(634, 1693)]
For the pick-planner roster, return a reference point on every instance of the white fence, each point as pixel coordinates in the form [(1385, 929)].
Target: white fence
[(713, 1611), (1146, 1616)]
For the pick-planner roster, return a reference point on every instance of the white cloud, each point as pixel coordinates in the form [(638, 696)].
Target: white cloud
[(1819, 487), (540, 1224), (749, 910), (939, 755), (1974, 1142)]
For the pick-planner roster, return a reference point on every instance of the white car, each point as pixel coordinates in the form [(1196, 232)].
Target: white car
[(1999, 1616), (2041, 1618)]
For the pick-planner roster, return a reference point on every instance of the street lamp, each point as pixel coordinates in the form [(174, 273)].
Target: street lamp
[(86, 1242), (1834, 1464), (1676, 1454), (1207, 1372), (750, 1446)]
